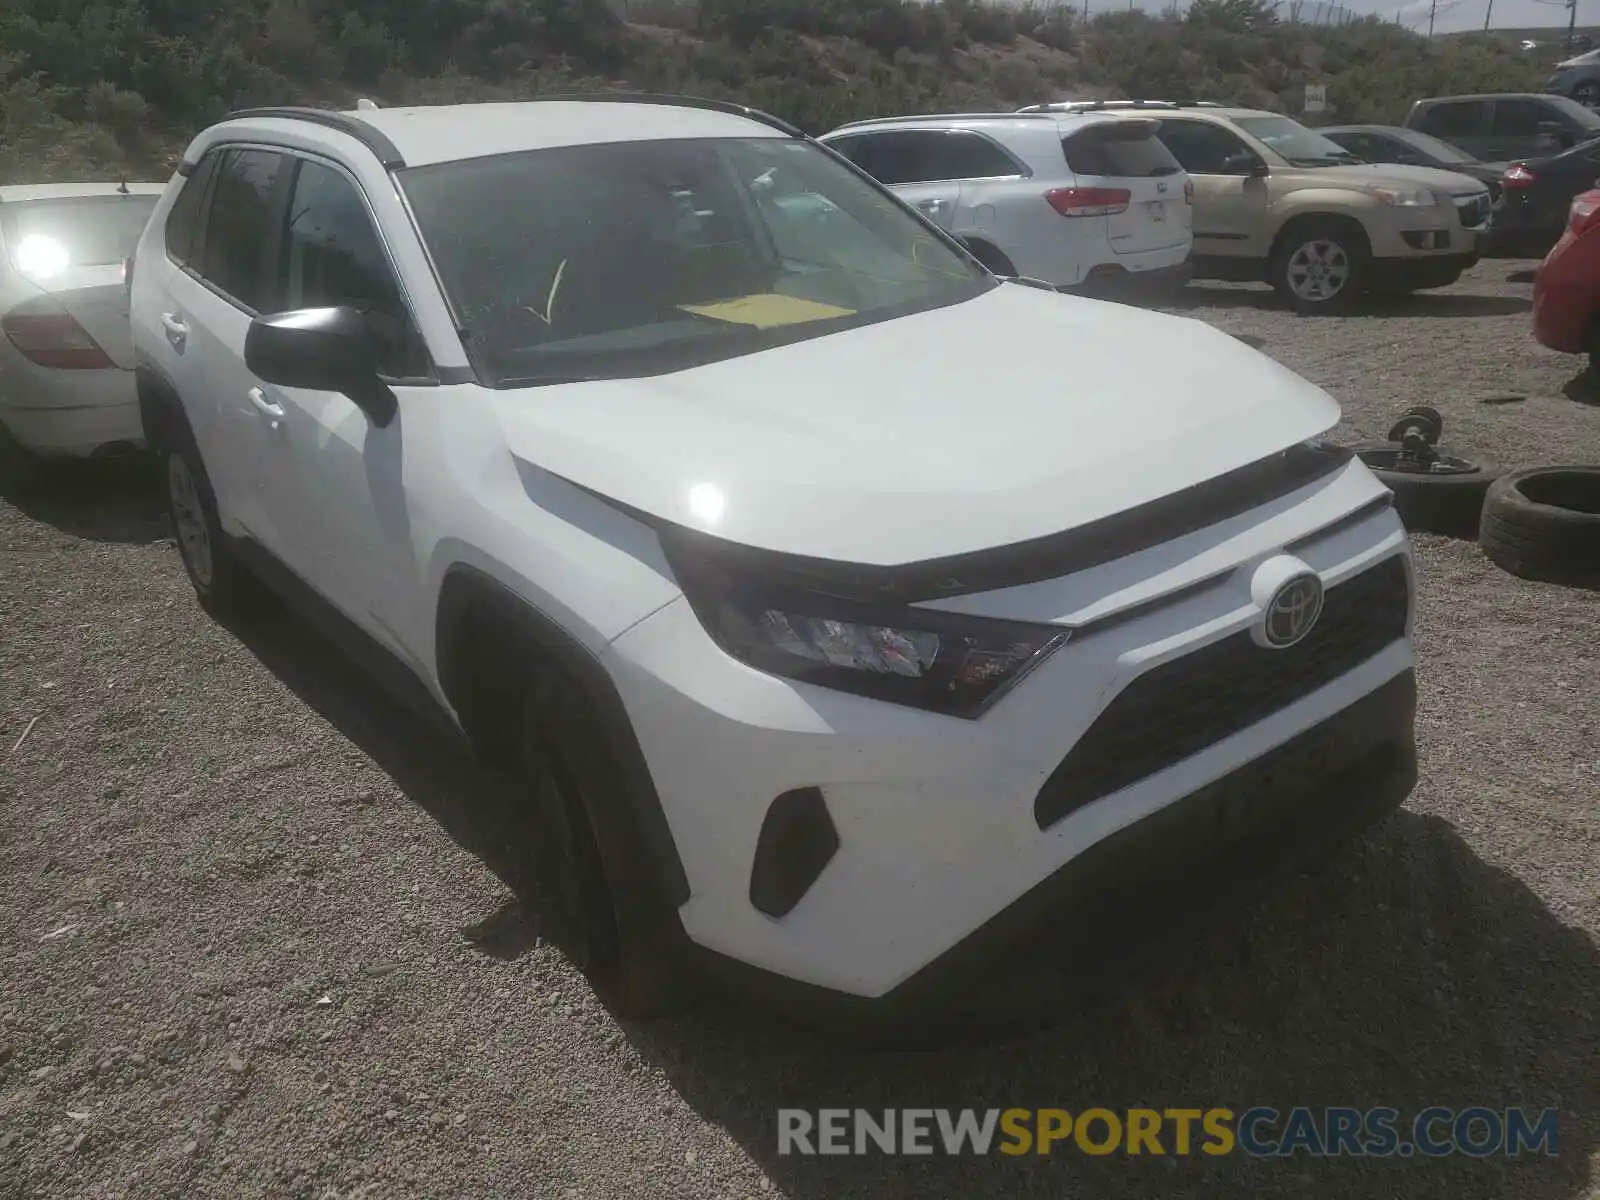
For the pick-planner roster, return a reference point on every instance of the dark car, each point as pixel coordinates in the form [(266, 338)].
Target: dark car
[(1412, 148), (1578, 77), (1505, 126), (1537, 195)]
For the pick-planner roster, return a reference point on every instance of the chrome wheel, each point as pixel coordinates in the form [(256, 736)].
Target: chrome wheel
[(1318, 271), (189, 519)]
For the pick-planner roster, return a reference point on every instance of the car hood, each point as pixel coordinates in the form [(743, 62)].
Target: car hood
[(1366, 174), (1014, 415)]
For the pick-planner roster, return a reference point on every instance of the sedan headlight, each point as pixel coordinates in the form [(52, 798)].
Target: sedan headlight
[(958, 666), (1405, 197)]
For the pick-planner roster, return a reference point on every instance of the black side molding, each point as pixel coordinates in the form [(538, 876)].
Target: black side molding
[(640, 806), (388, 153)]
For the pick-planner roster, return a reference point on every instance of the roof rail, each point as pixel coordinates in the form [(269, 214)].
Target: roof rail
[(965, 116), (1098, 105), (671, 101), (388, 153)]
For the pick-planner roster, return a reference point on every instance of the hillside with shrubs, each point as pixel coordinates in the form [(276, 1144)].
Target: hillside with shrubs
[(90, 87)]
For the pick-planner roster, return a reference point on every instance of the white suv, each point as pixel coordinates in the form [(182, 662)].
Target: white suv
[(841, 637), (1090, 201)]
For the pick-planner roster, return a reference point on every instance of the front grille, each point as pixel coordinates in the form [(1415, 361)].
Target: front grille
[(1473, 210), (1179, 708)]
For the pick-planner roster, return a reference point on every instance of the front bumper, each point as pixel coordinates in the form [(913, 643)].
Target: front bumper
[(1275, 813), (937, 825)]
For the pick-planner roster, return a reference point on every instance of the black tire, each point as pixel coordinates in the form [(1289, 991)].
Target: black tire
[(1451, 505), (222, 584), (1544, 524), (590, 873), (1339, 249), (21, 471)]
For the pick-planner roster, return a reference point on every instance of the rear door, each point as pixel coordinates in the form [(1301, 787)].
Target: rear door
[(1463, 123), (1125, 157), (211, 300), (73, 248), (916, 163)]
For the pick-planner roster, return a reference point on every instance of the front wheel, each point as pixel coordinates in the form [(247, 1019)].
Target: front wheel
[(1320, 269)]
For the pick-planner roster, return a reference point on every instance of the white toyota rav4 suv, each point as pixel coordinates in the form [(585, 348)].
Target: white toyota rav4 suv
[(849, 611)]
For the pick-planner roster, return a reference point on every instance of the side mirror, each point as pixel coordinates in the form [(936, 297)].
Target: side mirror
[(322, 349), (1249, 165)]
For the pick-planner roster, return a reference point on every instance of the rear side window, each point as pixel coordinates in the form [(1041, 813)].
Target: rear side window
[(1122, 150), (183, 221), (44, 237), (929, 156), (1462, 118), (1201, 148), (240, 226)]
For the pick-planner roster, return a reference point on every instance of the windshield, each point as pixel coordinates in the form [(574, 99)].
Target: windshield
[(635, 258), (46, 237), (1297, 145), (1437, 147)]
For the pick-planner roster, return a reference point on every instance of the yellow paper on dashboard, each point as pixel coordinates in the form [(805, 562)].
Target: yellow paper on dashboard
[(768, 311)]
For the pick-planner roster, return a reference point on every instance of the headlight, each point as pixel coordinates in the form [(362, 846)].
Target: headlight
[(958, 666), (1405, 197)]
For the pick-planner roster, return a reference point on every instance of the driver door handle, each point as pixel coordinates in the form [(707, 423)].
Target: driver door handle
[(265, 406), (177, 332)]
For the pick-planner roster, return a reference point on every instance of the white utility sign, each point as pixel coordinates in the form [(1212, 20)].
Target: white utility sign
[(1316, 97)]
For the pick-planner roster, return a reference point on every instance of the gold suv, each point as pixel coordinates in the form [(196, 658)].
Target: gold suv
[(1278, 202)]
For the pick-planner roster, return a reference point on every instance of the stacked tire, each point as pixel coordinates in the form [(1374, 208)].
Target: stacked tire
[(1544, 524)]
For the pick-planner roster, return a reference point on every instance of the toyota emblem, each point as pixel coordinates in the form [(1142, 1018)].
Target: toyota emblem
[(1293, 611)]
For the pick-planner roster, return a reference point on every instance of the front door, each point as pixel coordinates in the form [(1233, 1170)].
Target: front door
[(1230, 205), (342, 500)]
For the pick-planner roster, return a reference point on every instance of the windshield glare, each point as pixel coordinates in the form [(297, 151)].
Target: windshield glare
[(1297, 145), (635, 258)]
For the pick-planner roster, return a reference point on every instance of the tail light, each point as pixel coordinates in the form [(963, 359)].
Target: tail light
[(1089, 202), (1584, 214), (1188, 191), (1517, 176), (54, 339)]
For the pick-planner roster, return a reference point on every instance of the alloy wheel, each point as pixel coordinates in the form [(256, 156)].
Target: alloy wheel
[(1318, 270)]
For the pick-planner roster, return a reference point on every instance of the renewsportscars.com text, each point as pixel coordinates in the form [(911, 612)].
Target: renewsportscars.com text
[(1435, 1132)]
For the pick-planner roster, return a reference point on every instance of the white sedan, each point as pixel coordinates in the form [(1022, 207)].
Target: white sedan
[(66, 354)]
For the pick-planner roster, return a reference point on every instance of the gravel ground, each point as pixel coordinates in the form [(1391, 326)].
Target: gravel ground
[(256, 937)]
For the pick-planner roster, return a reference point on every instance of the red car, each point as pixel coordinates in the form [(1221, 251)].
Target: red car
[(1566, 293)]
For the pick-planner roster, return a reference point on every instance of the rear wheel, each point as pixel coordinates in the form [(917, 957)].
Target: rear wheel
[(1320, 267)]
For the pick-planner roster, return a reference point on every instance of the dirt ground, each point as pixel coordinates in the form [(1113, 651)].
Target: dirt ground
[(256, 937)]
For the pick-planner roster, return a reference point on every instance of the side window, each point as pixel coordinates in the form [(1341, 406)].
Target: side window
[(890, 158), (1462, 119), (1200, 148), (959, 154), (183, 219), (1365, 146), (239, 226), (1519, 118), (332, 256)]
